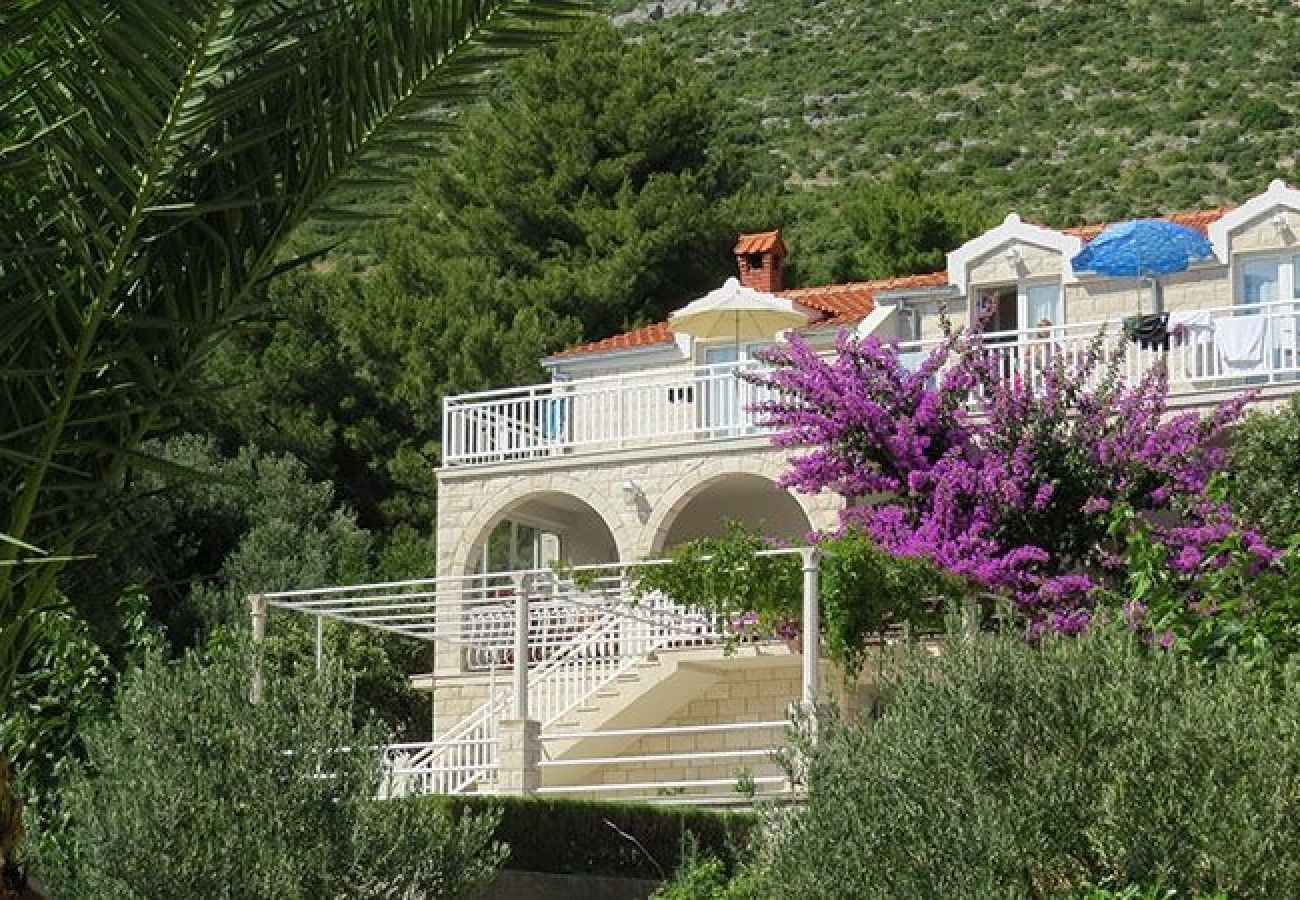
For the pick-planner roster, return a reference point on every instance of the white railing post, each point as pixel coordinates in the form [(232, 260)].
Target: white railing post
[(522, 587), (811, 626), (257, 608)]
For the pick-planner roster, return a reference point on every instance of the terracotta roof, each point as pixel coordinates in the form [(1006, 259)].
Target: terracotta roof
[(844, 304), (760, 242), (646, 336), (840, 304), (1200, 219)]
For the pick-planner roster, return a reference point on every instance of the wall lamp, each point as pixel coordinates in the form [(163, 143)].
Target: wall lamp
[(633, 492)]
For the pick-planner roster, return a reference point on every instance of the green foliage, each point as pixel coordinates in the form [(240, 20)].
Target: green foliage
[(190, 791), (752, 590), (1006, 769), (246, 522), (1066, 112), (1135, 892), (1230, 606), (154, 163), (702, 876), (65, 687), (901, 225), (592, 192), (863, 590), (1264, 471), (866, 592), (580, 837)]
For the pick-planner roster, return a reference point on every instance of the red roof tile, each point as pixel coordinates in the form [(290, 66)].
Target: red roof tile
[(645, 336), (1200, 219), (844, 304), (760, 242), (839, 304)]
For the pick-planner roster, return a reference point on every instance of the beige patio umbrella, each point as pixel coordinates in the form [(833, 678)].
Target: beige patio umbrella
[(739, 313)]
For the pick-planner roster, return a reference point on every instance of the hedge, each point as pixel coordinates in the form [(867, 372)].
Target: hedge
[(561, 836)]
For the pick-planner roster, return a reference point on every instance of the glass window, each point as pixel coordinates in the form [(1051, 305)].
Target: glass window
[(1043, 305), (1259, 279)]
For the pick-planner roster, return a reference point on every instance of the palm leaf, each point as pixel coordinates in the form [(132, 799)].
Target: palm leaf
[(154, 156)]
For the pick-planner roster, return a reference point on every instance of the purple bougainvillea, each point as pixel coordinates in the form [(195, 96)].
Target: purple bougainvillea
[(1000, 466)]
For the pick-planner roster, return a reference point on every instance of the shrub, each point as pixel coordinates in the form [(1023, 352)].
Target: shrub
[(579, 837), (1013, 770), (190, 791), (1264, 471)]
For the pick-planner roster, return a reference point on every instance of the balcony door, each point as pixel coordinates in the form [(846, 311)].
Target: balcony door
[(722, 407)]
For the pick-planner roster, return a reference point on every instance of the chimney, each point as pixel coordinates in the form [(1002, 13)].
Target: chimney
[(761, 260)]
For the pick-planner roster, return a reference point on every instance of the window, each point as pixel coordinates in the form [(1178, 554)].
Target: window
[(1021, 307), (1043, 305), (1267, 279)]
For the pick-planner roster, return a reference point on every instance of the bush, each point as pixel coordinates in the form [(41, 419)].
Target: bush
[(1264, 471), (189, 791), (579, 837), (1012, 770)]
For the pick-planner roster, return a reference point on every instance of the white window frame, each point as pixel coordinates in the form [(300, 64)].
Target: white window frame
[(1022, 286), (1288, 284), (745, 352)]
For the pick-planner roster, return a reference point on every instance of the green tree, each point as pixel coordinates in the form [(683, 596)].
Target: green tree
[(594, 191), (190, 791), (901, 225), (154, 156), (252, 521), (1001, 768)]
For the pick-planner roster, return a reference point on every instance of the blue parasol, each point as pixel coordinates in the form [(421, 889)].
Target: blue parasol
[(1143, 248)]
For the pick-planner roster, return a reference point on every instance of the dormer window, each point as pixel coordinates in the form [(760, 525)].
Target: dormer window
[(754, 260)]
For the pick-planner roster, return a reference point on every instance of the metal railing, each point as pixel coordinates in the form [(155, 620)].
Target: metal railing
[(1236, 345), (602, 633), (610, 412), (1227, 347)]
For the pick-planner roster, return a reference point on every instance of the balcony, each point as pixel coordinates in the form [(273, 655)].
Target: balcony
[(1232, 348), (619, 412)]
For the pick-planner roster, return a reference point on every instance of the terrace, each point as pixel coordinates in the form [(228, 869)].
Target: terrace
[(683, 406)]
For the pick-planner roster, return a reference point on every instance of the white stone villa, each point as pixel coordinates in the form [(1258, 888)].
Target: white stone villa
[(550, 678)]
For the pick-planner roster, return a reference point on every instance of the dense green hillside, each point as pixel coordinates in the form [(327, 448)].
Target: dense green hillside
[(1068, 111)]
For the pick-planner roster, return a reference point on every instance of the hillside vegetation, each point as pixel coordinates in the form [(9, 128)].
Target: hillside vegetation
[(1066, 111)]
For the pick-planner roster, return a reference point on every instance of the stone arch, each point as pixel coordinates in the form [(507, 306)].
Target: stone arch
[(720, 482), (525, 495)]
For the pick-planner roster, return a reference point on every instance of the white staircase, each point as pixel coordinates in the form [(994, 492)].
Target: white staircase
[(616, 639)]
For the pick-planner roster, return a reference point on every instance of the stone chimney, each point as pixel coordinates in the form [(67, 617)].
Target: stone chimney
[(761, 260)]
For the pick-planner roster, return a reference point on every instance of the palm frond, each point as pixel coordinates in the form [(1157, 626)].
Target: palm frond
[(154, 156)]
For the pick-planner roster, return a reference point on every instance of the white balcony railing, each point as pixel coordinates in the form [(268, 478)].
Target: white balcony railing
[(607, 413), (1233, 346)]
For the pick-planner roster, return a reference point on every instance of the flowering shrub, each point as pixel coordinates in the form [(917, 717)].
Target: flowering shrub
[(1012, 490), (1233, 598)]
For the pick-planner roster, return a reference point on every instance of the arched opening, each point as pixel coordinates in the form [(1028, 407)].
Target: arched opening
[(542, 530), (751, 500)]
